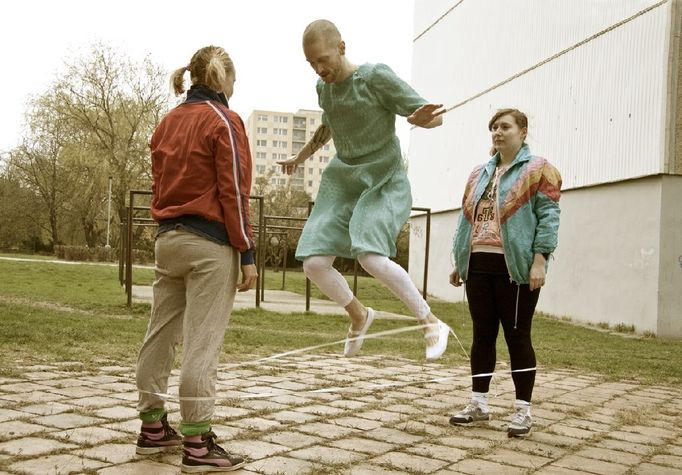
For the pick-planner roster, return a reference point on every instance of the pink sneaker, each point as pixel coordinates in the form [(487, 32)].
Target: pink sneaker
[(207, 456), (153, 440)]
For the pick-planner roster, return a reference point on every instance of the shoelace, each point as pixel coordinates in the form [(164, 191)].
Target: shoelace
[(520, 416), (213, 447), (167, 429)]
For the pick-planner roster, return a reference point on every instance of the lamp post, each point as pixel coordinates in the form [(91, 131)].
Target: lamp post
[(108, 215)]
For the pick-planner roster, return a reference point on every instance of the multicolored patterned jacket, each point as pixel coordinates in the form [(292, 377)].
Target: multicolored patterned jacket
[(528, 209)]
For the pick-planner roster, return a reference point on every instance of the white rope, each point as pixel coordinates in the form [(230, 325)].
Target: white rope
[(335, 389)]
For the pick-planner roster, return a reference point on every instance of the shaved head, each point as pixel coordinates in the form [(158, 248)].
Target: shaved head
[(323, 30)]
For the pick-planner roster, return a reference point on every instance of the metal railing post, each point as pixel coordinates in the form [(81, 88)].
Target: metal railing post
[(129, 252), (307, 280), (426, 251)]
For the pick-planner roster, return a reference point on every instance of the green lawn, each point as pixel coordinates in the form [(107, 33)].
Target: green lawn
[(55, 312)]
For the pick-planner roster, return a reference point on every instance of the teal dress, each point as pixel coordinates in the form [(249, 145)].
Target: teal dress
[(364, 197)]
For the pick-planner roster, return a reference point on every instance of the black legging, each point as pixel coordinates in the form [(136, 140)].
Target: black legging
[(493, 298)]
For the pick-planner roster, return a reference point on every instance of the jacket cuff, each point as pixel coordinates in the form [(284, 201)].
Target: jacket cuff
[(247, 257)]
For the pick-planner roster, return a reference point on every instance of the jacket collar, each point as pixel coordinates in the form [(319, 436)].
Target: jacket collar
[(199, 93), (523, 155)]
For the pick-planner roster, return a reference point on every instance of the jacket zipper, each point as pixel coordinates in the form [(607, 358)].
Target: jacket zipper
[(499, 226)]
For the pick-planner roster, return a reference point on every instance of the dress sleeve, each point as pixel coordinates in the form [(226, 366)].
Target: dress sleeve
[(318, 88), (392, 92)]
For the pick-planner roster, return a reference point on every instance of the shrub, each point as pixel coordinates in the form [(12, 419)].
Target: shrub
[(84, 253)]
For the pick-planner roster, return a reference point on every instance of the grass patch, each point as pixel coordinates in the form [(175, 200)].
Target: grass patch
[(55, 312), (88, 286)]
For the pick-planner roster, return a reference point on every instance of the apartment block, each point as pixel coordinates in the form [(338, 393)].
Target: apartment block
[(277, 136)]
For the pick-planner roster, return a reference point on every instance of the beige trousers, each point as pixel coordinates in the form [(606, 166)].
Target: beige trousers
[(194, 292)]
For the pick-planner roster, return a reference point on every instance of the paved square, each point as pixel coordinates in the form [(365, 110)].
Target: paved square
[(385, 415)]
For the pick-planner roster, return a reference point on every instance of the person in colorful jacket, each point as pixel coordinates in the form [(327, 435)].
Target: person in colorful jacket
[(364, 197), (507, 230), (201, 168)]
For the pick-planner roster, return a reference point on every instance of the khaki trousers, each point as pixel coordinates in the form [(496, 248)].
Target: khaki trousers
[(194, 292)]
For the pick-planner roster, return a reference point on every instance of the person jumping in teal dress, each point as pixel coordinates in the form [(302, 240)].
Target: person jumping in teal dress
[(364, 197)]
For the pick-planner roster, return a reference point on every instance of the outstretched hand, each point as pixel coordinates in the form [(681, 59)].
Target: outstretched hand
[(426, 115), (289, 165)]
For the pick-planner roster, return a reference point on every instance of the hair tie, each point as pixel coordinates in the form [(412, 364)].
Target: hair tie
[(187, 68)]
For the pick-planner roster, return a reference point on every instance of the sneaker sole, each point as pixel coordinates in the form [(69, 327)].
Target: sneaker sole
[(155, 450), (209, 468), (468, 423), (517, 433)]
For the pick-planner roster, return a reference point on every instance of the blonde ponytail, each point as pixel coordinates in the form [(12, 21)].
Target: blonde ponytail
[(209, 67), (177, 80), (215, 73)]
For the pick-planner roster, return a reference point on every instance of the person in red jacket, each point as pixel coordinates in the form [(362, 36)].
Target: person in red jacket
[(201, 168)]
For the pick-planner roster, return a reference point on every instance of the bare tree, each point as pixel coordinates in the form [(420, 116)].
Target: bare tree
[(36, 164), (115, 103)]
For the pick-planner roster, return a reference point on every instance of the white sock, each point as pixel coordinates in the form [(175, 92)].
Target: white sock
[(481, 399), (521, 404)]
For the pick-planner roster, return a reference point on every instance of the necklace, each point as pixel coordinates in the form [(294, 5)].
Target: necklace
[(492, 190)]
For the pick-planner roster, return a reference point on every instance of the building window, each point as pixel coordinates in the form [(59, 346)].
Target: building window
[(312, 121), (310, 170), (283, 156), (326, 147), (261, 155), (262, 130), (262, 118), (260, 168), (274, 156), (281, 119), (261, 143), (310, 183)]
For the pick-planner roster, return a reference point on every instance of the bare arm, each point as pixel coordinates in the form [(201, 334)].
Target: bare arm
[(321, 136)]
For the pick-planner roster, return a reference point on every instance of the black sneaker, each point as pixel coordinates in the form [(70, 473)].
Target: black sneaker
[(161, 439), (207, 456)]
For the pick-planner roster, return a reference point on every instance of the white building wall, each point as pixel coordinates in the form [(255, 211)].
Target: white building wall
[(595, 78), (613, 264), (597, 111), (670, 281)]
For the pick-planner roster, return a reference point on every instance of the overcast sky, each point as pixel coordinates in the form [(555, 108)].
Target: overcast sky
[(262, 36)]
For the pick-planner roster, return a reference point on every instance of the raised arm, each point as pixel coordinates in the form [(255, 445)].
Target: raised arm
[(321, 136)]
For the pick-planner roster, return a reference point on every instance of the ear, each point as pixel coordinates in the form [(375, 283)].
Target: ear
[(524, 133), (342, 48)]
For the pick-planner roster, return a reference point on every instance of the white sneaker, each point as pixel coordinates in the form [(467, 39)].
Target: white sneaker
[(442, 331), (471, 413), (521, 422), (354, 339)]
